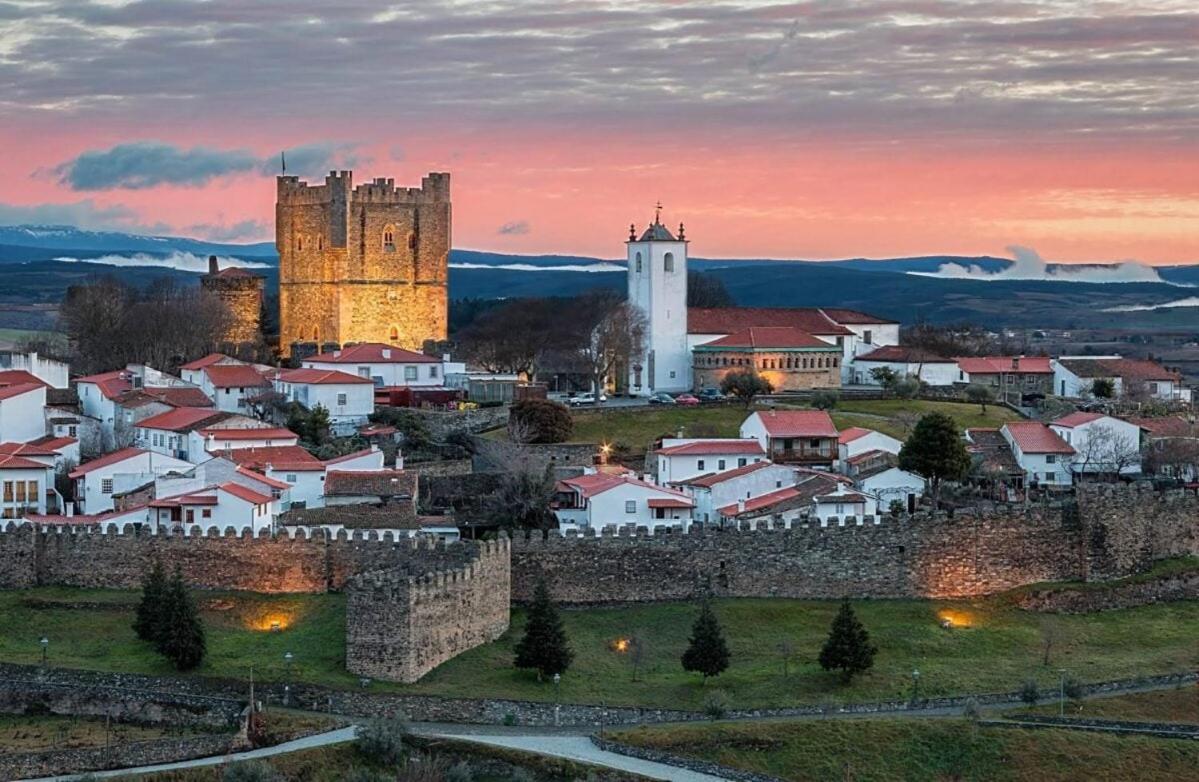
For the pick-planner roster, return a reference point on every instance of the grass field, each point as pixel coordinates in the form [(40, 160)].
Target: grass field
[(12, 337), (638, 428), (1179, 705), (25, 733), (1001, 648), (918, 750)]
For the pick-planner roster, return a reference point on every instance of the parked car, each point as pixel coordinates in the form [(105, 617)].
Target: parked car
[(586, 399), (661, 398), (710, 395), (686, 400)]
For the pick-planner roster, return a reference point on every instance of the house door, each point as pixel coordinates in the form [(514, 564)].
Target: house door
[(911, 502)]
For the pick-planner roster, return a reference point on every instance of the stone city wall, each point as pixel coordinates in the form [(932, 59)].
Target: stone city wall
[(1087, 598)]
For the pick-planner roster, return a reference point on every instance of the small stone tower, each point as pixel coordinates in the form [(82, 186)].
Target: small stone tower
[(242, 293), (362, 264), (658, 285)]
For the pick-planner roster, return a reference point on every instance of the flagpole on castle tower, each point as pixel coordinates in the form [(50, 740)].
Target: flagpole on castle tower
[(283, 162)]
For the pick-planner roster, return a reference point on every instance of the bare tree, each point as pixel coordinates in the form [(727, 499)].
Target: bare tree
[(786, 650), (1173, 457), (1105, 451), (610, 335), (1049, 638), (638, 652), (512, 337)]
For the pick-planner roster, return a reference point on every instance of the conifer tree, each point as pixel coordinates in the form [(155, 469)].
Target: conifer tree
[(181, 639), (707, 653), (848, 648), (544, 645), (149, 610)]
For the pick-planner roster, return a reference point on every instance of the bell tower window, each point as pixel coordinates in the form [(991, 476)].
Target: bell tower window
[(638, 263), (668, 262)]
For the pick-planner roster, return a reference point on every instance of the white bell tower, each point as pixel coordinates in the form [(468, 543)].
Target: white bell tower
[(658, 285)]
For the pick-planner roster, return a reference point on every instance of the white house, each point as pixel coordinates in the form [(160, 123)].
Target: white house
[(657, 285), (58, 452), (887, 484), (806, 437), (231, 387), (24, 485), (714, 491), (1101, 443), (1075, 376), (842, 503), (903, 360), (1041, 453), (681, 459), (813, 495), (384, 365), (227, 505), (221, 439), (22, 406), (857, 440), (348, 398), (129, 468), (167, 433), (598, 500), (869, 332), (193, 371), (55, 374), (98, 392)]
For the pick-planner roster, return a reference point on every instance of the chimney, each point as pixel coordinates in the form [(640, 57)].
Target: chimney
[(213, 266), (740, 507), (1016, 364)]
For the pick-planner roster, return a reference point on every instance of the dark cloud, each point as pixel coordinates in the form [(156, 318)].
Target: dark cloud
[(143, 164), (514, 228), (892, 68)]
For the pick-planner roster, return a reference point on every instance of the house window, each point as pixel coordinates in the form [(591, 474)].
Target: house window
[(433, 371), (341, 400), (720, 464), (741, 462), (867, 336), (668, 262), (71, 431), (206, 513), (364, 371), (814, 443), (1050, 477), (630, 506), (410, 373), (291, 477), (106, 485), (699, 464), (33, 491), (1050, 459), (8, 491)]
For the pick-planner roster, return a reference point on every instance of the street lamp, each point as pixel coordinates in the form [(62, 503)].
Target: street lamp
[(287, 658), (915, 686), (1061, 693), (45, 642), (558, 686)]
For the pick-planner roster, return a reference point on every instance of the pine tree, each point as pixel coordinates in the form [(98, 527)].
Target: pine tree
[(848, 648), (150, 609), (544, 646), (935, 451), (182, 637), (707, 653)]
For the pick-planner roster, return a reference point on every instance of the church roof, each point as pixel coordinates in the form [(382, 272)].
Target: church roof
[(730, 320), (769, 337), (656, 232)]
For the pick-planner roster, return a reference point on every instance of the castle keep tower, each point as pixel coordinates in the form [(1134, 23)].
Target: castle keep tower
[(241, 293), (362, 264), (658, 285)]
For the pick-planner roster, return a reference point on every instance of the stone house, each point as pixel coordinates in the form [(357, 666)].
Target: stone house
[(789, 359), (1011, 378)]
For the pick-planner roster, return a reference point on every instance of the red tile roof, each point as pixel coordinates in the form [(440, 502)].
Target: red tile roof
[(235, 376), (761, 501), (670, 503), (266, 433), (52, 443), (104, 461), (263, 479), (371, 483), (994, 365), (713, 478), (1036, 437), (1078, 419), (855, 317), (871, 455), (797, 423), (279, 457), (372, 353), (730, 320), (713, 448), (189, 498), (206, 361), (348, 456), (180, 396), (13, 377), (26, 449), (10, 462), (245, 493), (853, 433), (1168, 426), (598, 483), (904, 353), (182, 419), (17, 389), (769, 337), (318, 377), (1127, 368), (111, 384)]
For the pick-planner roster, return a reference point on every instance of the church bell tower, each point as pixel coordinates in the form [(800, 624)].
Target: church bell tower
[(658, 286)]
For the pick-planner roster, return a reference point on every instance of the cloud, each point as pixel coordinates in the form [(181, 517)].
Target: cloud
[(530, 267), (139, 165), (219, 232), (1029, 265), (514, 228), (86, 214), (186, 262), (1189, 301), (758, 62)]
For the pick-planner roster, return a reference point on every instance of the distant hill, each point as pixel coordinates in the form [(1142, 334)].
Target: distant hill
[(65, 237)]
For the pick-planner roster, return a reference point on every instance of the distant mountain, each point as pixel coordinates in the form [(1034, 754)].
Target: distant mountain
[(65, 237)]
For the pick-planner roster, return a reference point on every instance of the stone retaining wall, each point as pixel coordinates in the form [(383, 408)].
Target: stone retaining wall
[(1168, 730), (29, 690), (1079, 600), (140, 753)]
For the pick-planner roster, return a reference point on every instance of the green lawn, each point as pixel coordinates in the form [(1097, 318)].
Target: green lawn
[(1001, 648), (1178, 705), (923, 749), (34, 733), (638, 428)]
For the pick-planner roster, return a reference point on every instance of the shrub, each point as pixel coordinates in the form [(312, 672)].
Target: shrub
[(540, 421), (970, 711), (1072, 688), (366, 775), (423, 768), (251, 771), (383, 741), (460, 772), (745, 385), (716, 705), (825, 400), (1029, 693)]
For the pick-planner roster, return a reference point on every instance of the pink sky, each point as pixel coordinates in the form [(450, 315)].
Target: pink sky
[(772, 142)]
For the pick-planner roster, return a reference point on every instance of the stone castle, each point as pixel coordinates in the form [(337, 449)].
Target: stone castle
[(414, 604), (362, 264), (242, 293)]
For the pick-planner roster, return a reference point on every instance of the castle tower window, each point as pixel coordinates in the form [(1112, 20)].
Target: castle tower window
[(411, 241), (299, 242), (389, 239), (320, 242), (394, 335), (668, 262)]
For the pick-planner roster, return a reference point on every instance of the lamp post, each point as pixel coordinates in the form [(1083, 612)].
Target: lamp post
[(915, 686), (287, 658), (1061, 693), (558, 686), (45, 642)]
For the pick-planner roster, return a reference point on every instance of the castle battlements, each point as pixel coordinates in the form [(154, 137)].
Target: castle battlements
[(339, 187)]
